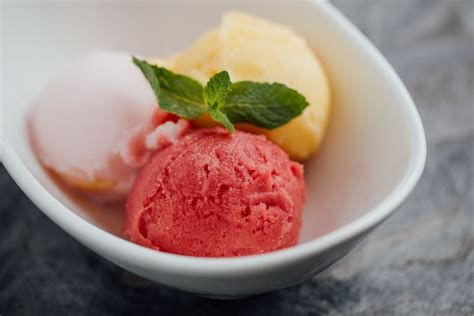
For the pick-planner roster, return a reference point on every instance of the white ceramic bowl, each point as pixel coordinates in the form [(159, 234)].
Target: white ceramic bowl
[(372, 157)]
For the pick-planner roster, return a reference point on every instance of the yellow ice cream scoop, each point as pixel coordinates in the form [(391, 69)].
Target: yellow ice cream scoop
[(251, 48)]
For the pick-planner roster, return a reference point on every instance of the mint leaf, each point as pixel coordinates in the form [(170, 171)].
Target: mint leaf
[(217, 89), (263, 104), (218, 116), (149, 73), (215, 93), (175, 93)]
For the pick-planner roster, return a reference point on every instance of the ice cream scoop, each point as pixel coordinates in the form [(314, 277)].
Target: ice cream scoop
[(217, 194), (96, 123), (254, 49)]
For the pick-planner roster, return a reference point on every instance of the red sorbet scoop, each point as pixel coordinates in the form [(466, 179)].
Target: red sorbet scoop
[(217, 194)]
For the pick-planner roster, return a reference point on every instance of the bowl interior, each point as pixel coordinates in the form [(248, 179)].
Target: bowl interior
[(369, 145)]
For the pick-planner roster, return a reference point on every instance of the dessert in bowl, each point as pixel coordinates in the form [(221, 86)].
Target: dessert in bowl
[(192, 188), (371, 157)]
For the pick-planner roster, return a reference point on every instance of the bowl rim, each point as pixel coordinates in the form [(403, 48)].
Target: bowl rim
[(114, 247)]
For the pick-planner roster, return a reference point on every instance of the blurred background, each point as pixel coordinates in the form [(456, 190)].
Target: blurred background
[(419, 262)]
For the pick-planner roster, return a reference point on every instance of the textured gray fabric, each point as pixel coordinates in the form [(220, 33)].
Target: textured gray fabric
[(419, 262)]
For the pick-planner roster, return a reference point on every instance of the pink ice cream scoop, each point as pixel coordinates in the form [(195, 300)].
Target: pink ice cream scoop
[(96, 123), (217, 194)]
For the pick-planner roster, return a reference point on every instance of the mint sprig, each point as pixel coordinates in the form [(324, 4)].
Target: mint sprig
[(267, 105)]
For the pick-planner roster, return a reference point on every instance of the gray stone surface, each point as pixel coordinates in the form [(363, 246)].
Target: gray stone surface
[(419, 262)]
